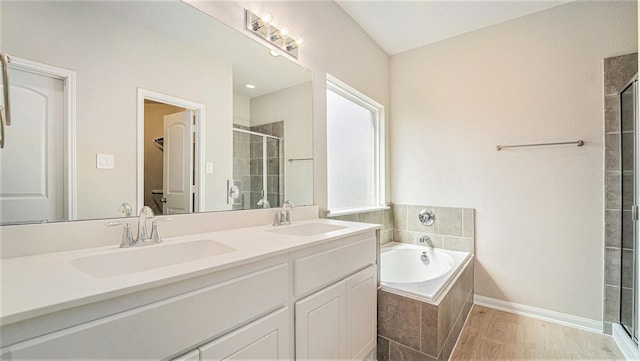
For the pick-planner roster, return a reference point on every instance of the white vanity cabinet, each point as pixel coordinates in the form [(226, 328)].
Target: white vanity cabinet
[(316, 301), (265, 339), (337, 322)]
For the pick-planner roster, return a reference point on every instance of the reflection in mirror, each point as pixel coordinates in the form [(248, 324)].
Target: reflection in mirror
[(81, 145)]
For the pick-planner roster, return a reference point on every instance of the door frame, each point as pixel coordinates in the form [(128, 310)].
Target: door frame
[(199, 112), (68, 78)]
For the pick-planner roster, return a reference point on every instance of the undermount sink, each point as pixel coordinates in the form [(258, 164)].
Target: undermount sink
[(132, 260), (308, 229)]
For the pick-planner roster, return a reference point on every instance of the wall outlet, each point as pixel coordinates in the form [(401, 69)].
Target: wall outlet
[(104, 161), (209, 167)]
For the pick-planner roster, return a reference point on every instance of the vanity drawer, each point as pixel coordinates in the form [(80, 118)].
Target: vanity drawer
[(160, 329), (322, 265)]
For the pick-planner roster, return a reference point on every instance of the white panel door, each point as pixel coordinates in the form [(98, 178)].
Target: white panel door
[(177, 163), (320, 325), (361, 313), (264, 339), (32, 162)]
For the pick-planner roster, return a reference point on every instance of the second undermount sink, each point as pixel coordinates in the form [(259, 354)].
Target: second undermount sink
[(307, 229), (132, 260)]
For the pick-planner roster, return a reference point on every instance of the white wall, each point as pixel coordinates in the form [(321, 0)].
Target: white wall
[(106, 105), (241, 110), (333, 44), (540, 210), (293, 106)]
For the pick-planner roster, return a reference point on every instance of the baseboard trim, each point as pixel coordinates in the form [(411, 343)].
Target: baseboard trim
[(540, 313), (629, 348)]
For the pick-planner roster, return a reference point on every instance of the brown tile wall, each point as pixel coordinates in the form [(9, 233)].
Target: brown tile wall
[(453, 229), (618, 71), (409, 329)]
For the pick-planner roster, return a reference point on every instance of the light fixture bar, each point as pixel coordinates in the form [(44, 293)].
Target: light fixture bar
[(272, 35)]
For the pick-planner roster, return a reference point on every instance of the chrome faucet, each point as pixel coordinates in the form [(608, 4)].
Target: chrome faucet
[(283, 216), (142, 223), (127, 236), (125, 208)]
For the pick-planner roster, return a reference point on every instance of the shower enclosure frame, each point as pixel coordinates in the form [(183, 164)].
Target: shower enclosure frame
[(265, 171), (631, 329)]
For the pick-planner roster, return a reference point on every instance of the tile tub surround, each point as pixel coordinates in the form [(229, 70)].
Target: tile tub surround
[(383, 217), (410, 329), (453, 229), (618, 71)]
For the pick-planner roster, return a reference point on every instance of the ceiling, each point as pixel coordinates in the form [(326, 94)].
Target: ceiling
[(398, 26)]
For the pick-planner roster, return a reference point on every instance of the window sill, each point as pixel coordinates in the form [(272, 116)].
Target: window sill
[(344, 212)]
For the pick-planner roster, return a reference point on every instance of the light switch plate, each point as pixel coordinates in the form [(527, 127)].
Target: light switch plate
[(104, 161), (209, 167)]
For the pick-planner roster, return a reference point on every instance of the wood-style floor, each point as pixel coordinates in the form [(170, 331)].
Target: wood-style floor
[(496, 335)]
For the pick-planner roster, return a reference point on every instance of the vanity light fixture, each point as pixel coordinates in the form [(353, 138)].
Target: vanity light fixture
[(259, 22), (294, 44), (275, 35)]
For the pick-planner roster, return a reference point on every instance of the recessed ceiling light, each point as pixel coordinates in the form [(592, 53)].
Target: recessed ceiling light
[(274, 52), (250, 86)]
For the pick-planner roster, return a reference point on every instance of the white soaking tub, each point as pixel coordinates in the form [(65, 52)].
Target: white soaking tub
[(405, 270)]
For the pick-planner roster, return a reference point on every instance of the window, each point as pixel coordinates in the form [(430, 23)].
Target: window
[(355, 150)]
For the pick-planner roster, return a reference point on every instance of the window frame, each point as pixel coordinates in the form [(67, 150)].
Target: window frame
[(377, 112)]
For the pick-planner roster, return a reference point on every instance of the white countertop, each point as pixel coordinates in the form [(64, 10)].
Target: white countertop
[(33, 286)]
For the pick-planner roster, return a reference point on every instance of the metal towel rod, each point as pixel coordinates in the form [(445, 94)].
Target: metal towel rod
[(579, 143), (291, 160)]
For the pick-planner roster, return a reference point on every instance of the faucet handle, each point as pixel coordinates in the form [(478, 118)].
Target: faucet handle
[(127, 236), (155, 233), (126, 209)]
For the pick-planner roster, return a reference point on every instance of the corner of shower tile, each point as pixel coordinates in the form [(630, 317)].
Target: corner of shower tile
[(448, 221), (468, 222), (403, 236), (400, 216), (458, 244)]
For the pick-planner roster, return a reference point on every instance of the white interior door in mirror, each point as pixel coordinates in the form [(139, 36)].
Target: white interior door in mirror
[(177, 173), (32, 162)]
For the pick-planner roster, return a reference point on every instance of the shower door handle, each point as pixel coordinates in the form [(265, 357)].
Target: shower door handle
[(634, 212)]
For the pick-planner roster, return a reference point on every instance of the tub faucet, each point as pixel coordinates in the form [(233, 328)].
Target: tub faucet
[(142, 223)]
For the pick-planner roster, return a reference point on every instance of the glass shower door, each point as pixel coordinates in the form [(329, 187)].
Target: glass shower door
[(629, 159)]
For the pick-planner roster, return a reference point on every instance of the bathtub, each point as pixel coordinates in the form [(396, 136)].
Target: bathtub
[(403, 271)]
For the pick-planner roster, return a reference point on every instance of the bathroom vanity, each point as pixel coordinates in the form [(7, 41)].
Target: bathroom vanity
[(304, 291)]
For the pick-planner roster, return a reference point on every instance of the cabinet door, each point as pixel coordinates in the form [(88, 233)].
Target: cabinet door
[(264, 339), (361, 313), (320, 324)]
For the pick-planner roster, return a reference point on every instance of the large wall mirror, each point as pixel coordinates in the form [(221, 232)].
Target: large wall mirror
[(116, 105)]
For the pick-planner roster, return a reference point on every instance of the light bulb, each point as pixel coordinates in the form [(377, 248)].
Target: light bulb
[(250, 86), (266, 18)]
